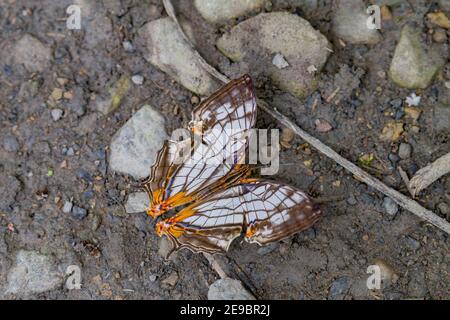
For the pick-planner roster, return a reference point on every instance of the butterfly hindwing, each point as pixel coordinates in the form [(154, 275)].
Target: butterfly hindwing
[(264, 210)]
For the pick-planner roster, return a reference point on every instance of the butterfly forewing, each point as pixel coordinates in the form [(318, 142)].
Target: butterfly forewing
[(225, 119)]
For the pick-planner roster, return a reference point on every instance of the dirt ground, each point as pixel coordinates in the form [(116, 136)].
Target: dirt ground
[(51, 162)]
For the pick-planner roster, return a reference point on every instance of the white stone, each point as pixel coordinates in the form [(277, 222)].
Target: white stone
[(228, 289), (137, 79), (137, 202), (279, 61), (32, 273), (220, 11), (56, 114), (135, 145), (165, 48)]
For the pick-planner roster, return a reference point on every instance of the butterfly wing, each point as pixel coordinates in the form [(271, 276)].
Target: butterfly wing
[(223, 120), (267, 211), (274, 211), (226, 118)]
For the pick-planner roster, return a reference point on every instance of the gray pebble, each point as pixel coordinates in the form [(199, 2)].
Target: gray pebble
[(339, 288), (152, 278), (404, 151), (70, 152), (96, 222), (56, 114), (390, 206), (67, 208), (393, 158), (443, 208), (10, 144), (396, 103), (128, 46), (84, 175), (412, 243), (137, 79), (79, 213), (352, 200)]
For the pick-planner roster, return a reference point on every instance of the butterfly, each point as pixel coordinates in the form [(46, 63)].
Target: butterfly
[(210, 180)]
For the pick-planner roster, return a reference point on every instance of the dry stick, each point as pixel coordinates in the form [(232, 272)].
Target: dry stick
[(429, 174), (363, 176)]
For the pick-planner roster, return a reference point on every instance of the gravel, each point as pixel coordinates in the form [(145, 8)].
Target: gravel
[(390, 206), (10, 144), (79, 213), (404, 151), (56, 114)]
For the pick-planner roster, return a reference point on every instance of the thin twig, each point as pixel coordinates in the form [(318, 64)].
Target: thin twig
[(405, 179), (429, 174), (363, 176)]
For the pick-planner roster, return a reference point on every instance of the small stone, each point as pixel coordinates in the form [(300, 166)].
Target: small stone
[(339, 288), (113, 99), (79, 213), (96, 222), (68, 95), (392, 131), (137, 79), (56, 114), (57, 94), (439, 19), (228, 289), (10, 144), (352, 200), (443, 208), (404, 150), (33, 273), (166, 248), (390, 206), (279, 61), (137, 202), (413, 66), (84, 175), (322, 125), (386, 13), (67, 208), (396, 103), (412, 243), (440, 36), (128, 46), (70, 152), (152, 278), (413, 113), (394, 158), (195, 100), (134, 146), (217, 11), (32, 53), (171, 280)]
